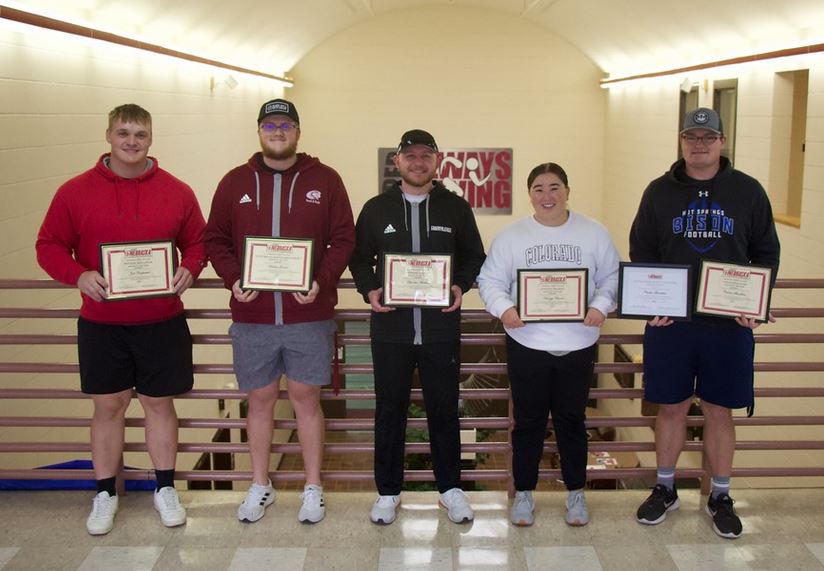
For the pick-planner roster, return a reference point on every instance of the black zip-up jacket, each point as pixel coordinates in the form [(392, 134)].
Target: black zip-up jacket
[(446, 225), (727, 219)]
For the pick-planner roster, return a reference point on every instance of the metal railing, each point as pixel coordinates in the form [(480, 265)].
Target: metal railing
[(12, 388)]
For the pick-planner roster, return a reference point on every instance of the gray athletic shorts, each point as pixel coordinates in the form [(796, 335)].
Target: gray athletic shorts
[(262, 353)]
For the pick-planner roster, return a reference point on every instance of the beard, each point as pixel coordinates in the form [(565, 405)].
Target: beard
[(417, 180), (282, 154)]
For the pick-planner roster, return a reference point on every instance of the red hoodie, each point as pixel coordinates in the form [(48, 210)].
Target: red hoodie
[(99, 206), (311, 203)]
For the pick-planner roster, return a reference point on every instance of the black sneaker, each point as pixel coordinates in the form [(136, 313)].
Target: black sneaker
[(725, 522), (654, 509)]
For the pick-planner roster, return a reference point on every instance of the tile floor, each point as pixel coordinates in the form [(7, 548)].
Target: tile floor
[(784, 530)]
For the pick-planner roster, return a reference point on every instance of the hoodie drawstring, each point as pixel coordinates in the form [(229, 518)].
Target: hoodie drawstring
[(427, 216), (257, 191), (292, 190)]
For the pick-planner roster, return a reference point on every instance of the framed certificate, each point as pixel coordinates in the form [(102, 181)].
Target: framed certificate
[(417, 280), (138, 269), (732, 290), (277, 264), (553, 295), (649, 290)]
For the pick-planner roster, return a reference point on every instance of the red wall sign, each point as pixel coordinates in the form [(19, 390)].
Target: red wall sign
[(482, 176)]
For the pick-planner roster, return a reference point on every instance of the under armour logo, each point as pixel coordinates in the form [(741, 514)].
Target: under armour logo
[(704, 193)]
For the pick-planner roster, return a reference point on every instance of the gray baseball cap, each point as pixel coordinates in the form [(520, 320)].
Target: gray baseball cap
[(703, 118)]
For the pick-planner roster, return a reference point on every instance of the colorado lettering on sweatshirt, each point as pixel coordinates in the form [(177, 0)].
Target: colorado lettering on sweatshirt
[(553, 253)]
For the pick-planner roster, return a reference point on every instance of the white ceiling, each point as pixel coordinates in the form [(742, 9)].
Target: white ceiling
[(621, 37)]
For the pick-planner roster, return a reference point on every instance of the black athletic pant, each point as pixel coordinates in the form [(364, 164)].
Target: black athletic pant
[(438, 367), (542, 383)]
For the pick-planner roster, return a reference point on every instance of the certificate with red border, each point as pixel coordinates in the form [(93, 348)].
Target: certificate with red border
[(138, 269), (417, 280), (733, 290), (277, 264), (553, 295)]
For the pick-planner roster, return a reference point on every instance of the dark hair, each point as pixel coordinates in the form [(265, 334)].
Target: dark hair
[(130, 113), (545, 168)]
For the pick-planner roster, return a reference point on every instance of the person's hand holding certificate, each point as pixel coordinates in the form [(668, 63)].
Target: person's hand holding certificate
[(552, 295), (138, 269), (276, 264), (422, 280), (646, 291), (733, 290)]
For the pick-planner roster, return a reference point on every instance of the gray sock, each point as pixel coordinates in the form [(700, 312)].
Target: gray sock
[(666, 477), (720, 485)]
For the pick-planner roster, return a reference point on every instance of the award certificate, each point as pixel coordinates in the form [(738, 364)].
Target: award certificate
[(733, 290), (420, 280), (553, 295), (277, 264), (138, 269), (654, 290)]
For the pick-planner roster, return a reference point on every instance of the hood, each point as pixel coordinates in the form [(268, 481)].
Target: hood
[(304, 163), (678, 172), (110, 175), (120, 183), (438, 190)]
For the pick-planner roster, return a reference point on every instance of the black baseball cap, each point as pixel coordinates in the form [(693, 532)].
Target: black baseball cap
[(417, 137), (278, 107)]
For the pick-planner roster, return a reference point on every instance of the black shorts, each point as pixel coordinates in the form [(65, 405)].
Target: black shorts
[(155, 359)]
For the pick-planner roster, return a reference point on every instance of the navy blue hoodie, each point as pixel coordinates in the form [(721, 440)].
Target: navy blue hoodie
[(682, 221)]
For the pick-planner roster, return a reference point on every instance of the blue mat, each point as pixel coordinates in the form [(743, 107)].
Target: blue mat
[(131, 485)]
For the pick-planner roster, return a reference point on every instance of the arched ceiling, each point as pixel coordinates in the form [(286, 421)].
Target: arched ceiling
[(622, 37)]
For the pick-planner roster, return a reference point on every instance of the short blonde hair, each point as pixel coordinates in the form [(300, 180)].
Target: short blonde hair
[(130, 113)]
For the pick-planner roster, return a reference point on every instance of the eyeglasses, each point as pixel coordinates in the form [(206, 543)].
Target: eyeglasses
[(272, 127), (708, 139)]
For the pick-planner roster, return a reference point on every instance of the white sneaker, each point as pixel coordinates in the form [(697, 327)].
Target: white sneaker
[(167, 503), (101, 519), (384, 510), (313, 508), (254, 505), (457, 505)]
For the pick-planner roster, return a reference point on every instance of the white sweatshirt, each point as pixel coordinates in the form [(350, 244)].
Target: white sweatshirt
[(527, 244)]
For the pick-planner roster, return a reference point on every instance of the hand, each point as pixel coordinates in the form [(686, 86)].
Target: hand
[(456, 291), (510, 319), (93, 285), (374, 298), (243, 296), (752, 323), (308, 297), (594, 318), (660, 321), (182, 280)]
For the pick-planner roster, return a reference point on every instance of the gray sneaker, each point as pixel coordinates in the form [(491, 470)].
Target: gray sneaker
[(577, 514), (523, 507), (385, 509)]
